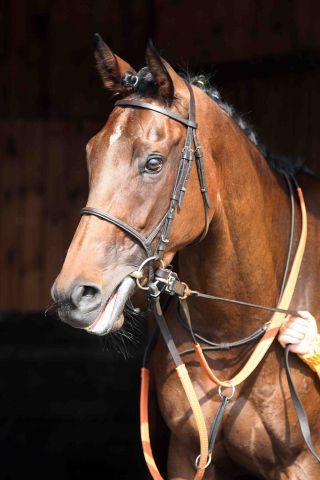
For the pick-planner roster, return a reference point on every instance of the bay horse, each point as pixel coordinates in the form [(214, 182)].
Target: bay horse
[(133, 163)]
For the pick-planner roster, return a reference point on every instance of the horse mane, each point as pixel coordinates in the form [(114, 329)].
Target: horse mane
[(147, 86)]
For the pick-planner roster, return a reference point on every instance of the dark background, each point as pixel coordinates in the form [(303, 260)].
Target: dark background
[(69, 406)]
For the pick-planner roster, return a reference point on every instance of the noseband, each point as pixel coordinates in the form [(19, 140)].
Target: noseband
[(190, 149)]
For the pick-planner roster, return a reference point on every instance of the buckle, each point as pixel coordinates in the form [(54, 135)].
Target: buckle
[(173, 286)]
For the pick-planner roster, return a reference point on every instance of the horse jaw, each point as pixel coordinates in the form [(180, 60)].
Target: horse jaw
[(111, 317)]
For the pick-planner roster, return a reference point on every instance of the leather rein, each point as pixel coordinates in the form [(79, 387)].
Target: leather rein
[(164, 280)]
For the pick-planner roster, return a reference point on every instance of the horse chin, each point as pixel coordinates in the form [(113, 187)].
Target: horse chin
[(111, 318)]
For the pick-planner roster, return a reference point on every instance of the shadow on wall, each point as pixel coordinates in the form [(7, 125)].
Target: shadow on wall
[(69, 407)]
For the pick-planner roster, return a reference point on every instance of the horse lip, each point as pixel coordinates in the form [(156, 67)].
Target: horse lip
[(103, 324)]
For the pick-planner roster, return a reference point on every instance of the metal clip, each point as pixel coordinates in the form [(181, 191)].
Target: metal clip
[(154, 290)]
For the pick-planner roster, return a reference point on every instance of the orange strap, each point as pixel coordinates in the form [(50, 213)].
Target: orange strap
[(144, 422), (276, 320), (144, 425)]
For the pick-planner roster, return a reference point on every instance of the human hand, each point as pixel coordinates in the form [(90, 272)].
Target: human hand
[(300, 331)]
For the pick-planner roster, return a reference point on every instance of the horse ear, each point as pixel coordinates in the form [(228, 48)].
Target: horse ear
[(167, 79), (111, 67)]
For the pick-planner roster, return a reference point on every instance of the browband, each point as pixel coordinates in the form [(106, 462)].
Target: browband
[(156, 108)]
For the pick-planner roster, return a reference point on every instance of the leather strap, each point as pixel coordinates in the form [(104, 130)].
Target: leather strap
[(216, 423), (150, 106), (145, 242), (301, 414), (163, 327), (244, 304)]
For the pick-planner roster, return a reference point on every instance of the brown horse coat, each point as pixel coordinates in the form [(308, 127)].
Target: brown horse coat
[(242, 257)]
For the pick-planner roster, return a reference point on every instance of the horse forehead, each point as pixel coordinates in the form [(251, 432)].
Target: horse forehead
[(132, 124), (143, 122), (116, 134)]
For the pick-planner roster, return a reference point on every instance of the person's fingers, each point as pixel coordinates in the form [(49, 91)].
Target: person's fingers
[(300, 348), (292, 320), (285, 339), (305, 314), (294, 332), (298, 331)]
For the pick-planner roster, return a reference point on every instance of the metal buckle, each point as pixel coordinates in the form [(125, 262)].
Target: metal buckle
[(170, 284)]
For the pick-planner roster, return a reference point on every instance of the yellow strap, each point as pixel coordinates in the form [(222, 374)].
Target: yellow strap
[(199, 418)]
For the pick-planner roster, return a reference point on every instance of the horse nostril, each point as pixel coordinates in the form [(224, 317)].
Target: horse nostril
[(86, 297), (89, 291)]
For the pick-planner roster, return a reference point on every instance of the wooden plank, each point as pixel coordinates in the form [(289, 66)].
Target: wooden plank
[(310, 127), (31, 267), (76, 174), (57, 137), (11, 225)]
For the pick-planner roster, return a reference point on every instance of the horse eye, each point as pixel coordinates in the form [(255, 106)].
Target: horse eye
[(153, 165)]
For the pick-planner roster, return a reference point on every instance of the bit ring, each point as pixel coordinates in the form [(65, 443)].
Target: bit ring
[(140, 269)]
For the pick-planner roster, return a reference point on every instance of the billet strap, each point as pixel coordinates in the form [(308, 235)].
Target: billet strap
[(151, 106), (276, 320), (301, 414)]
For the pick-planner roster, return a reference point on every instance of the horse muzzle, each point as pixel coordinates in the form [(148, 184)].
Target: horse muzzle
[(87, 308)]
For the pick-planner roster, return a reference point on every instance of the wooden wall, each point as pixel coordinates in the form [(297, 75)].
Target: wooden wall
[(43, 187), (265, 56)]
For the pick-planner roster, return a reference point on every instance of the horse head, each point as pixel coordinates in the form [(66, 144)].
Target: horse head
[(132, 165)]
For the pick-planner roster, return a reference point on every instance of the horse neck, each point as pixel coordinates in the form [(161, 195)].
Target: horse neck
[(243, 256)]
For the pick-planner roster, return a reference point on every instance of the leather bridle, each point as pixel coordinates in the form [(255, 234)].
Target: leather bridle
[(191, 149), (169, 282)]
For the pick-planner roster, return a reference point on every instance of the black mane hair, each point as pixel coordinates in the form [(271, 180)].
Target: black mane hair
[(146, 86)]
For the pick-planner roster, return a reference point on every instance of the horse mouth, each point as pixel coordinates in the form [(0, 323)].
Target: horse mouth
[(110, 317)]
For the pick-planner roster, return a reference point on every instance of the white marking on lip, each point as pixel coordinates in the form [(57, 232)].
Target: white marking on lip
[(116, 135), (113, 308), (101, 324)]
